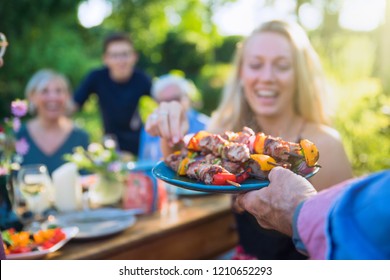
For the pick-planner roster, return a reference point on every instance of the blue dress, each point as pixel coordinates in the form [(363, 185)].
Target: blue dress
[(117, 103), (77, 137)]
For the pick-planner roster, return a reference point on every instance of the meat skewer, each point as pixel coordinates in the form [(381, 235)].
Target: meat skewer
[(238, 147), (217, 145), (231, 158), (204, 170)]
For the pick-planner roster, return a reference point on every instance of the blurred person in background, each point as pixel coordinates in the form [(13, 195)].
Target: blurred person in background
[(277, 87), (119, 86), (50, 133), (168, 88)]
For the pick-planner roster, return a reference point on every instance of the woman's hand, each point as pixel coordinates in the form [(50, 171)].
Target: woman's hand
[(274, 205), (169, 121)]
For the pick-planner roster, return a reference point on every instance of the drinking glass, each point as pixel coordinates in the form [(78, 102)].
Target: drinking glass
[(33, 192), (87, 183), (3, 44)]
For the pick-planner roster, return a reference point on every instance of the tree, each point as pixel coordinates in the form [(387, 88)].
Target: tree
[(384, 51), (40, 34)]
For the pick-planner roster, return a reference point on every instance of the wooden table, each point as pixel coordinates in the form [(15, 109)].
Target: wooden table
[(197, 227)]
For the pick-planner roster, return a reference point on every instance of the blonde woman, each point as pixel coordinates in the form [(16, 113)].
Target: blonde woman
[(50, 133), (277, 87)]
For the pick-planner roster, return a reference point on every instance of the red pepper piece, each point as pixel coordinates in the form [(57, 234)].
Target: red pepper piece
[(20, 249), (47, 244), (243, 176), (222, 178)]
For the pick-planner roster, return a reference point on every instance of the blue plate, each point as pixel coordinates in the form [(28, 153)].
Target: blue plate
[(163, 172)]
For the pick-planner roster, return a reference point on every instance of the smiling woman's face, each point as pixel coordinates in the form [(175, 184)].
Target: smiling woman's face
[(51, 100), (267, 74)]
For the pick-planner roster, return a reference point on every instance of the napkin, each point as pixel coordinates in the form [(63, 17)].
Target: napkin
[(67, 190)]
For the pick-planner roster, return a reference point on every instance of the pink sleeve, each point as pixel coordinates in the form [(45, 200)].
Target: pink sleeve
[(312, 219)]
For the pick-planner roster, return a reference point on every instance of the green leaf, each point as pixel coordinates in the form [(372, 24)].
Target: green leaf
[(6, 237), (146, 106)]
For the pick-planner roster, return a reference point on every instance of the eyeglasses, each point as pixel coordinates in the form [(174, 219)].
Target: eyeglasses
[(3, 44), (119, 55)]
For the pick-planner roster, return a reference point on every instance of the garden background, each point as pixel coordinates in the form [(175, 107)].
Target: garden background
[(181, 35)]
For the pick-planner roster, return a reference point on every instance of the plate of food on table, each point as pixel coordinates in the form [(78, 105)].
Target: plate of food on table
[(26, 245), (234, 162), (97, 223)]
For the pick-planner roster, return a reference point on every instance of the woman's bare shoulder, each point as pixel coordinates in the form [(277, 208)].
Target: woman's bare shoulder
[(333, 159), (318, 133), (326, 138)]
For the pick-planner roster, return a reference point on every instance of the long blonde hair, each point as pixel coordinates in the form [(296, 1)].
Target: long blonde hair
[(310, 95)]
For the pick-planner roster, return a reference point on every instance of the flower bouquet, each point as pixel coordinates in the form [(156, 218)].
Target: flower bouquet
[(11, 149), (111, 167)]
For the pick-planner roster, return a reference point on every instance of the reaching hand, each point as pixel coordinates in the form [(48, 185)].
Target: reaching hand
[(274, 206), (169, 121)]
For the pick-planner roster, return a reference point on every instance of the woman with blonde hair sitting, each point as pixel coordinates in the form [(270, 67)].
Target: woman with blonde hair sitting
[(50, 133)]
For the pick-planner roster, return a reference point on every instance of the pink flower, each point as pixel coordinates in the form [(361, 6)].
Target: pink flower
[(3, 171), (19, 108), (16, 124), (21, 146), (114, 166)]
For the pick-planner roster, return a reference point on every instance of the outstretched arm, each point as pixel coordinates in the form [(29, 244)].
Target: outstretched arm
[(168, 121), (274, 205)]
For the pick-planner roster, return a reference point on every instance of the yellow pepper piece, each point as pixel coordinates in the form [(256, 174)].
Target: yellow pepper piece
[(38, 237), (183, 167), (310, 152), (43, 235), (258, 144), (20, 239), (48, 233), (193, 144), (264, 161)]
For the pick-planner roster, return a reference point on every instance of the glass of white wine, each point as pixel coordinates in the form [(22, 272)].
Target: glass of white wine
[(32, 192), (3, 44)]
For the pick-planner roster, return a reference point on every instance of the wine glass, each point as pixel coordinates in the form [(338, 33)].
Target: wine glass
[(3, 44), (87, 182), (33, 192)]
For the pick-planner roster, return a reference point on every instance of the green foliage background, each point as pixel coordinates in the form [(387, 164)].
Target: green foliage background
[(173, 34)]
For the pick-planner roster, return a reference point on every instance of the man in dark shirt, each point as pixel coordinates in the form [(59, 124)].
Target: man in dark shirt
[(119, 87)]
